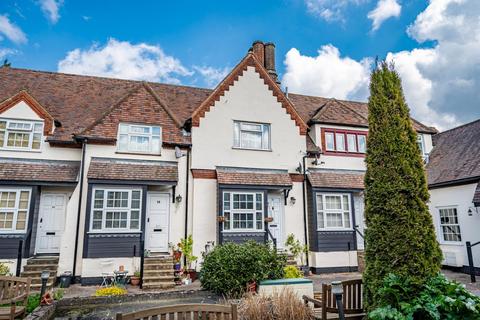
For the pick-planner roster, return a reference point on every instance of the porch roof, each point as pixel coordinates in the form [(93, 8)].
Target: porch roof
[(133, 170), (476, 196), (38, 170), (253, 177), (336, 179)]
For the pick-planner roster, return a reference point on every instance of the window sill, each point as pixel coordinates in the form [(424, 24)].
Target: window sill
[(455, 244), (138, 153), (335, 230), (20, 150), (114, 232), (344, 154), (12, 232), (252, 149), (243, 231)]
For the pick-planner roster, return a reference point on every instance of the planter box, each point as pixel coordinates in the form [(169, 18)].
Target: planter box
[(299, 286)]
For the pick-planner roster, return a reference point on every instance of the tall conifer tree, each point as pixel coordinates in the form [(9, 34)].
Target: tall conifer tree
[(400, 236)]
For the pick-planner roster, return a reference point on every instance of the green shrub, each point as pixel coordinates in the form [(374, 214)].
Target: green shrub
[(33, 302), (228, 268), (438, 298), (4, 269), (400, 236), (292, 272)]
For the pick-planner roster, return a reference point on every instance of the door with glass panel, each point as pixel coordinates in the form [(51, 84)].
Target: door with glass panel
[(51, 222)]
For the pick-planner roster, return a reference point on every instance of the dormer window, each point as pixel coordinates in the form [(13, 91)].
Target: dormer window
[(139, 138), (251, 135), (20, 134), (347, 142)]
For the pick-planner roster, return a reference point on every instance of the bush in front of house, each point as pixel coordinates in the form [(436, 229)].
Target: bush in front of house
[(439, 298), (110, 291), (400, 236), (292, 272), (230, 267)]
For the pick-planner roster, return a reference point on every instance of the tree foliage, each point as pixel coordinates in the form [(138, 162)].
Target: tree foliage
[(400, 237)]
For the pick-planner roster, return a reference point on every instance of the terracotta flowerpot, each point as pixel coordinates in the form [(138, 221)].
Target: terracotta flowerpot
[(192, 274), (177, 255), (252, 287), (134, 281)]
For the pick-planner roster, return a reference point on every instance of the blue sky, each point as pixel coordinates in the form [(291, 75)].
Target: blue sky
[(196, 42)]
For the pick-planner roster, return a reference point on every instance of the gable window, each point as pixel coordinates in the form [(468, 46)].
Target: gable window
[(116, 210), (20, 135), (248, 135), (139, 138), (421, 146), (449, 225), (333, 211), (345, 141), (243, 211), (14, 204)]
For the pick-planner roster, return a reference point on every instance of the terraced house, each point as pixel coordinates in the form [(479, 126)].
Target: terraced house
[(92, 167)]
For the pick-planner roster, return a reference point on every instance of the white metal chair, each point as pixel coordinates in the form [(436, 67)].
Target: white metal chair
[(108, 277)]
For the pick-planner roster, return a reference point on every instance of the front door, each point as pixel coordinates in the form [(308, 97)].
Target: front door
[(157, 227), (275, 210), (51, 222)]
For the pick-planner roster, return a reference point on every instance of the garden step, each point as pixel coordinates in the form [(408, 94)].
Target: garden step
[(38, 287), (43, 260), (156, 260), (40, 267), (165, 272), (36, 273), (157, 279), (158, 285), (38, 280), (159, 266)]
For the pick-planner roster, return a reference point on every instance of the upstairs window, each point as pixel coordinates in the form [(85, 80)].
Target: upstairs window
[(344, 141), (20, 135), (249, 135), (139, 138), (450, 227), (14, 204), (421, 146)]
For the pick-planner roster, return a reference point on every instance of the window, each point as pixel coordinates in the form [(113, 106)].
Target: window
[(22, 135), (116, 210), (421, 146), (449, 225), (249, 135), (139, 138), (14, 206), (345, 141), (333, 211), (243, 211)]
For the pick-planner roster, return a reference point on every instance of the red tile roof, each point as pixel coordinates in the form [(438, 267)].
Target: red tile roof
[(54, 171), (132, 170), (455, 155), (336, 179), (253, 177)]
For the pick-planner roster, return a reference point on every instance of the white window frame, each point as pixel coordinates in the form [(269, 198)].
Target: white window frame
[(421, 143), (253, 211), (30, 131), (237, 129), (324, 211), (332, 134), (130, 133), (344, 134), (106, 209), (16, 209), (441, 235)]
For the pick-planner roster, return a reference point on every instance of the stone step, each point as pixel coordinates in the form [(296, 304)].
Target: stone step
[(158, 285), (157, 260), (43, 260), (157, 278), (38, 287), (36, 273), (161, 266), (40, 267), (151, 273), (38, 280)]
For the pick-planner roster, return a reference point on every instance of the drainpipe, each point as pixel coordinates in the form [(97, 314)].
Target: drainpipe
[(304, 189), (82, 167), (187, 173)]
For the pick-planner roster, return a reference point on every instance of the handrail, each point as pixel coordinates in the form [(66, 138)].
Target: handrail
[(273, 239), (358, 231)]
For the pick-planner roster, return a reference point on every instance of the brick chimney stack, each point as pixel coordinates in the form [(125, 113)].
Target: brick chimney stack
[(265, 53)]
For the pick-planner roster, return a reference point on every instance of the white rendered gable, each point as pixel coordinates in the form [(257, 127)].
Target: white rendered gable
[(20, 111)]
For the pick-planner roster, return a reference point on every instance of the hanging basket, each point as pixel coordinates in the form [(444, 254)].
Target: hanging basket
[(268, 219), (220, 218)]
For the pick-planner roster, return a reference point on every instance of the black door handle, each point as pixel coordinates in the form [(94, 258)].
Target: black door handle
[(148, 219)]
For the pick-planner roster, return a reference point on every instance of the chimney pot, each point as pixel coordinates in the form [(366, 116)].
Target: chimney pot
[(270, 59), (259, 51)]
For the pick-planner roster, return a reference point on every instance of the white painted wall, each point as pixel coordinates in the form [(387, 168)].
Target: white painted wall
[(95, 267), (333, 259), (293, 222), (20, 111), (460, 197), (249, 99)]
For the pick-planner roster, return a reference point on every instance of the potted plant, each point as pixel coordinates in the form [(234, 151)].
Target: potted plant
[(298, 251), (176, 255), (135, 279), (186, 246)]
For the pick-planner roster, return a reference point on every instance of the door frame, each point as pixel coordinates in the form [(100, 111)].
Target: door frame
[(147, 216), (37, 238), (282, 217)]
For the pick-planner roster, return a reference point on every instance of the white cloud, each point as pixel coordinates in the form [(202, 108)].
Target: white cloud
[(212, 76), (330, 10), (50, 8), (4, 52), (11, 31), (122, 59), (328, 74), (384, 10)]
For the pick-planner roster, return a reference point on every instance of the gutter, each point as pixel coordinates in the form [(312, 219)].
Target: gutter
[(77, 231), (304, 189), (454, 182), (187, 172)]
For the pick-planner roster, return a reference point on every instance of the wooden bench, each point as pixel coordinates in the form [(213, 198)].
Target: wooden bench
[(184, 311), (325, 303), (13, 290)]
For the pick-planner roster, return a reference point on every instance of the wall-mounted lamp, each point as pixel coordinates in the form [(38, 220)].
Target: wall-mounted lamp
[(178, 198), (293, 200), (471, 210)]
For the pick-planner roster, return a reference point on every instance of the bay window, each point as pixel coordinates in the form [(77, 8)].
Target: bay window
[(333, 211), (248, 135), (449, 225), (14, 205), (243, 211), (116, 209), (21, 135), (139, 138), (344, 141)]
